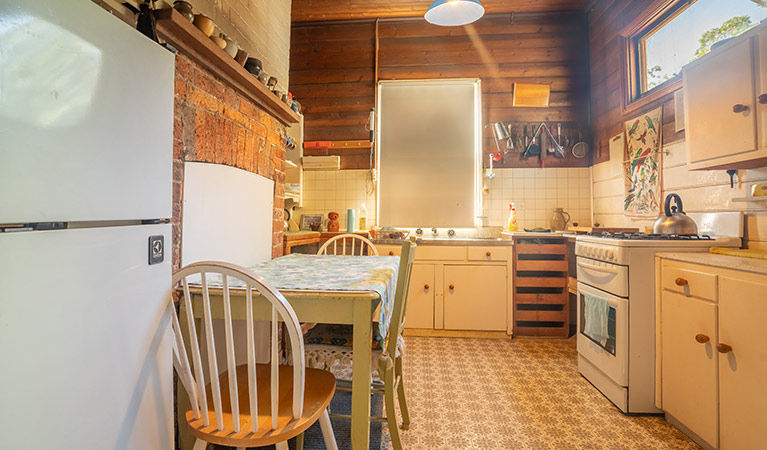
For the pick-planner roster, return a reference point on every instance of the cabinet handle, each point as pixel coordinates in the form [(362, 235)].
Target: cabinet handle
[(391, 252), (702, 338), (681, 281), (723, 348), (739, 108), (426, 287), (488, 254), (451, 287), (762, 99)]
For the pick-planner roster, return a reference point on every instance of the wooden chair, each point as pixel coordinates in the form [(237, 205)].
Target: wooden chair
[(250, 405), (350, 244), (389, 367)]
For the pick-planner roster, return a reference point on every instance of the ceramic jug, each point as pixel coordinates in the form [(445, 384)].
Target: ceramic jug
[(558, 220)]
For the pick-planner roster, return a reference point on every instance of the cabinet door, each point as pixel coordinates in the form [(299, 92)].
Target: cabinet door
[(743, 371), (419, 312), (689, 367), (715, 134), (477, 300)]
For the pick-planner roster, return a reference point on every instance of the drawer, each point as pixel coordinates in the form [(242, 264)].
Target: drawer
[(440, 253), (389, 250), (487, 254), (691, 283)]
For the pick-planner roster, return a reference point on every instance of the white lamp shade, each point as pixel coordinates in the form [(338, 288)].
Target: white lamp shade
[(449, 13)]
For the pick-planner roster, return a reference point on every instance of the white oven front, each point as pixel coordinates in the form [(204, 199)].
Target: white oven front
[(603, 331)]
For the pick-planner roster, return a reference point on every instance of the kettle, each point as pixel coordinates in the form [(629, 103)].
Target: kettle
[(674, 222)]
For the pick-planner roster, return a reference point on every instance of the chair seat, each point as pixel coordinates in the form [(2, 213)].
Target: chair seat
[(319, 388), (329, 347)]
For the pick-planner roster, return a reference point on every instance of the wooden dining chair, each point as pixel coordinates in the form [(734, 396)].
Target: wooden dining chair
[(248, 405), (388, 365), (348, 244)]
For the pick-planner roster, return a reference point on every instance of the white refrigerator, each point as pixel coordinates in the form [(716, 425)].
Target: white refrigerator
[(86, 129)]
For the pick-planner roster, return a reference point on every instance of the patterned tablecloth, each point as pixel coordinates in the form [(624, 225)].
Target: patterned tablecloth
[(333, 273)]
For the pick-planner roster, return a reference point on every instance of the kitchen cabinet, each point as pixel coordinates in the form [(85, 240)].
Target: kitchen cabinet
[(472, 297), (725, 98), (458, 287), (713, 352)]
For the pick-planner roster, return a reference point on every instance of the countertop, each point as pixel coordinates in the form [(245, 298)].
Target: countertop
[(758, 266), (456, 241), (566, 234)]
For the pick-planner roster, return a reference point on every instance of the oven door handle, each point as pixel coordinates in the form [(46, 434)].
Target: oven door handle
[(597, 268)]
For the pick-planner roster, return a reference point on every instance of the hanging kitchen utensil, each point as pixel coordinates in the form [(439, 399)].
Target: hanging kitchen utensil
[(524, 150), (674, 221), (534, 149), (580, 149), (557, 150)]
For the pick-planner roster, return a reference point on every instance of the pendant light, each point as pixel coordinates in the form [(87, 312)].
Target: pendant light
[(450, 13)]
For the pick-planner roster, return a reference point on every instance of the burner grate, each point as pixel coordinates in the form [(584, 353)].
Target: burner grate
[(652, 237)]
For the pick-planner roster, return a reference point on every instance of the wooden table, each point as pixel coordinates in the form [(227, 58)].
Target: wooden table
[(322, 306)]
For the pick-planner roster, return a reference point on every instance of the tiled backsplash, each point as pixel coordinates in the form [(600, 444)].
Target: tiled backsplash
[(535, 193), (338, 190)]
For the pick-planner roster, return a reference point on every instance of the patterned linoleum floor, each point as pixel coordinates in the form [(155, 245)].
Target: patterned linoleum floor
[(517, 394)]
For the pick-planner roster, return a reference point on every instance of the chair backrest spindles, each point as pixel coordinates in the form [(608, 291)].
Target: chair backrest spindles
[(196, 357), (231, 362), (251, 340), (210, 342), (349, 244), (192, 376)]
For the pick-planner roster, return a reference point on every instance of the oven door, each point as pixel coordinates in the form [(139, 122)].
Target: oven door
[(603, 331), (606, 276)]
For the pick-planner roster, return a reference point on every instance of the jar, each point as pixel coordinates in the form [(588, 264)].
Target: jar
[(558, 220), (185, 9)]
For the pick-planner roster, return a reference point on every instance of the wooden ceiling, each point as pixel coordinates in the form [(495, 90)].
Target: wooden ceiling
[(321, 10)]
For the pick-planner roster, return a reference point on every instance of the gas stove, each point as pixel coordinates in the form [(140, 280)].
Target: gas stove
[(616, 304)]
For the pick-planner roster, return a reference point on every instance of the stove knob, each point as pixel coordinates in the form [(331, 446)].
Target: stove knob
[(610, 255)]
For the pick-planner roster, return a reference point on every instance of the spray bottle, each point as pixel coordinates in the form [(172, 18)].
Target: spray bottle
[(512, 224)]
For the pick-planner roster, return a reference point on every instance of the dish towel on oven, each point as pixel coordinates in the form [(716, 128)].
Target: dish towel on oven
[(596, 311)]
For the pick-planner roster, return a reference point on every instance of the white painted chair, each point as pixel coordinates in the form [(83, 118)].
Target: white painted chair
[(251, 405), (348, 244), (338, 359)]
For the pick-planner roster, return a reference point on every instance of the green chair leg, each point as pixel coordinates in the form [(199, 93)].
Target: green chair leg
[(300, 442), (401, 394), (391, 413)]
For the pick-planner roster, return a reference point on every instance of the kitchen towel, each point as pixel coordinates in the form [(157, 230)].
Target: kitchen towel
[(596, 311)]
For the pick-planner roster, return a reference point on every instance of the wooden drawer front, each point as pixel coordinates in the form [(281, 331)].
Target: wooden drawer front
[(541, 249), (487, 253), (689, 282), (389, 250), (440, 253), (555, 266)]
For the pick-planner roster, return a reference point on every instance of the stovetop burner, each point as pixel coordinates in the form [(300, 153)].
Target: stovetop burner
[(651, 237)]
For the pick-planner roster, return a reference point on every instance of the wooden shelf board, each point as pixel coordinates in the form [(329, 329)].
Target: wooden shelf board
[(750, 199), (187, 39)]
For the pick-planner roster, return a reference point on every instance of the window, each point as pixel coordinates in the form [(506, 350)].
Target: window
[(678, 32)]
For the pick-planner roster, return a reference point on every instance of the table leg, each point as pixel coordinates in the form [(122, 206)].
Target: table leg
[(361, 376)]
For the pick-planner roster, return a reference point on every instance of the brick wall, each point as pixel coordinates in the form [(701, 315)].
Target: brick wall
[(260, 27), (215, 124)]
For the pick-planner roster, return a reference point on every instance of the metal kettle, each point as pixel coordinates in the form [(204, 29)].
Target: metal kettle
[(674, 222)]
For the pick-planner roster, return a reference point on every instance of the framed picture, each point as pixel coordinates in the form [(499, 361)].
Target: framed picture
[(311, 222)]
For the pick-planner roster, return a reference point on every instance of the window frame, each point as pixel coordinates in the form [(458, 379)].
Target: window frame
[(633, 71)]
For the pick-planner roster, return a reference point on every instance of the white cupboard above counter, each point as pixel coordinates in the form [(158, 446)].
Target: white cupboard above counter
[(711, 349), (725, 104)]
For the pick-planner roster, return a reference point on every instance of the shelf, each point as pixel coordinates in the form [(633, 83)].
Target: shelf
[(750, 199), (187, 39)]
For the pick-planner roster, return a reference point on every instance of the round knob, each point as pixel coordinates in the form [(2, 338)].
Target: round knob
[(702, 338), (418, 231), (739, 108), (600, 253), (487, 254), (762, 99), (434, 231), (610, 255), (451, 232), (391, 252), (723, 348), (680, 282), (425, 287), (452, 287)]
